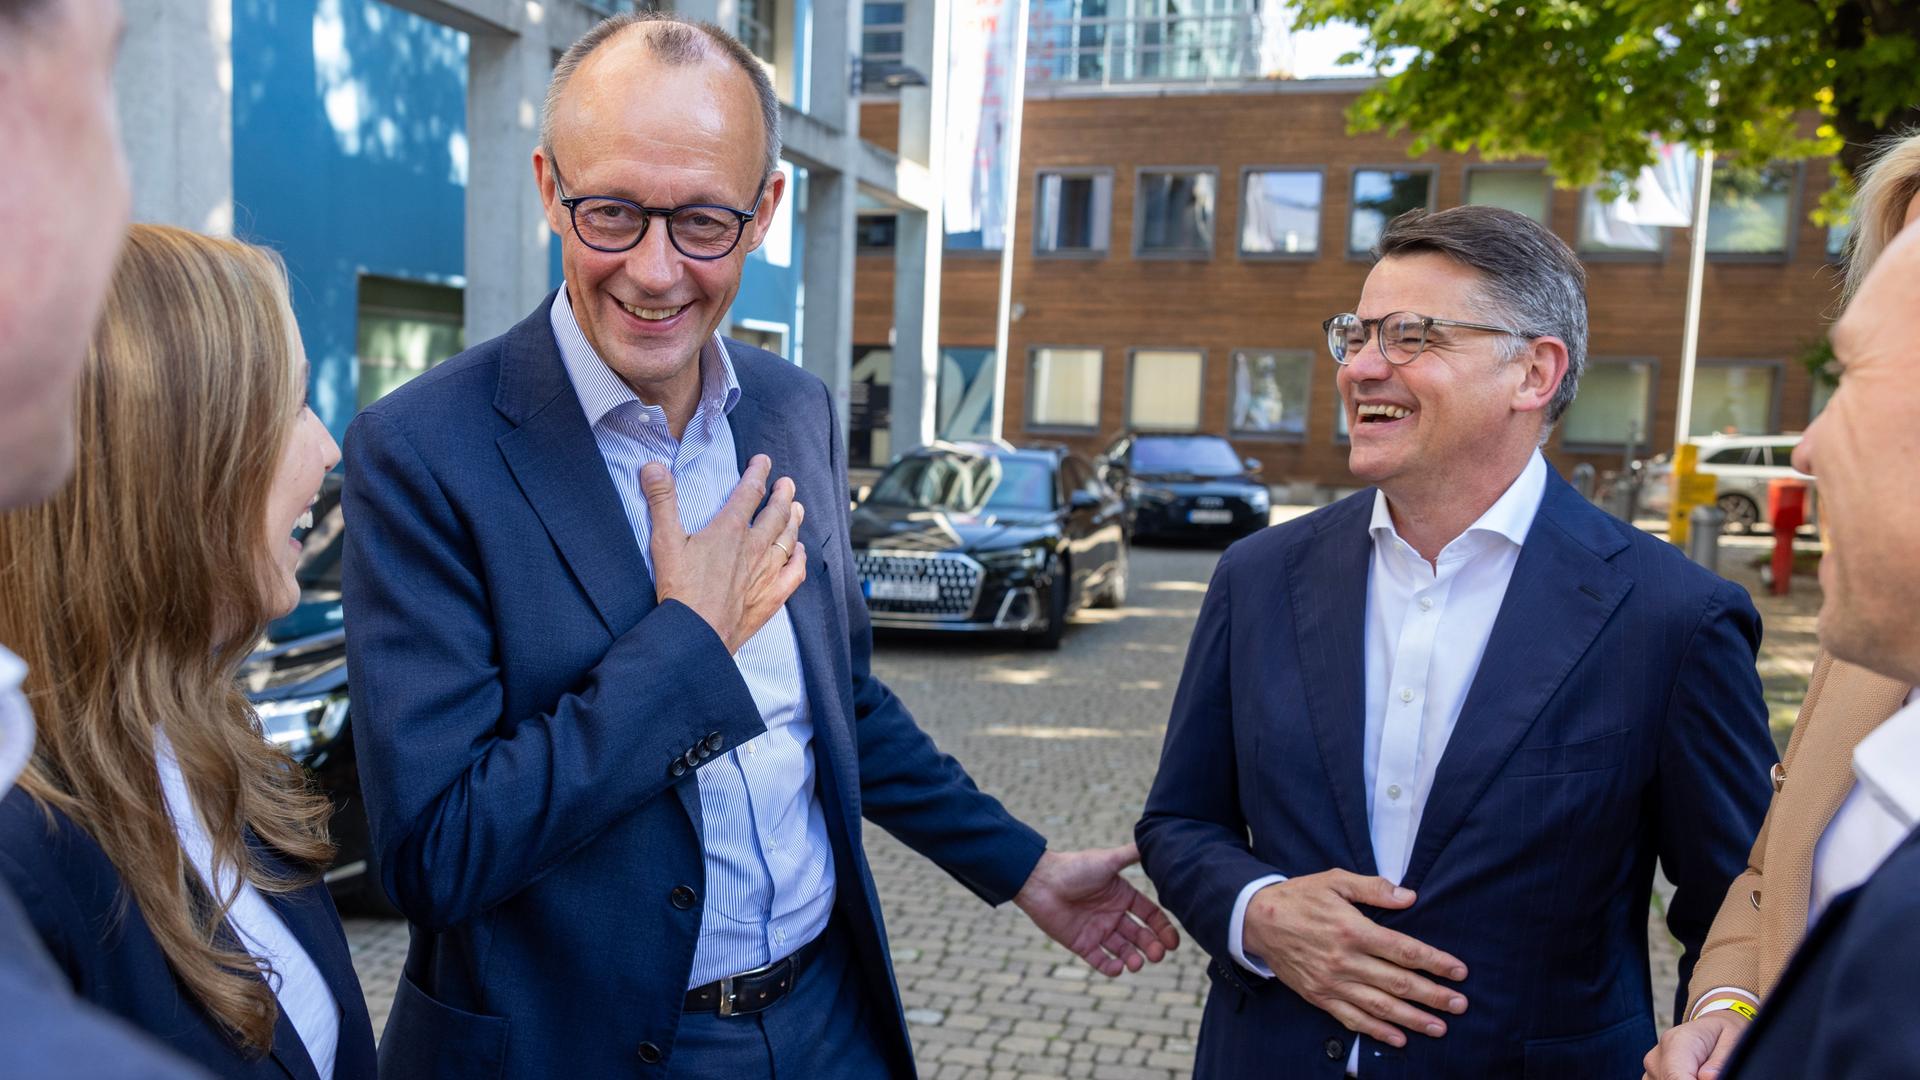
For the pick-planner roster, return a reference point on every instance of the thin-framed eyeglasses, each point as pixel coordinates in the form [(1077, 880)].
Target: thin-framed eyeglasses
[(1402, 335), (702, 231)]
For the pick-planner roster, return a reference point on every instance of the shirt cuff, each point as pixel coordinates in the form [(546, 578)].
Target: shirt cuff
[(1236, 926), (1709, 1004)]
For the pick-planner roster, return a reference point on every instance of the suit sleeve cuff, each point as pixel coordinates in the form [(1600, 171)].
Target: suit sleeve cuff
[(1236, 926), (1722, 997)]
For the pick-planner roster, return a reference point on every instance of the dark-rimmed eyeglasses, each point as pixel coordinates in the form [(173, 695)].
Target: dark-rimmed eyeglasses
[(1402, 335), (697, 230)]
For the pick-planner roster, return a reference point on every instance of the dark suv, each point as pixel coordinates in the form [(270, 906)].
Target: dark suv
[(1186, 486), (986, 537)]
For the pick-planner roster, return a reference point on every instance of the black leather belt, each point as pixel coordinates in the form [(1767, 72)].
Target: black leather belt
[(757, 990)]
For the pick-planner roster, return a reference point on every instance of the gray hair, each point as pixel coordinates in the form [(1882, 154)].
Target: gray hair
[(1529, 276), (676, 41)]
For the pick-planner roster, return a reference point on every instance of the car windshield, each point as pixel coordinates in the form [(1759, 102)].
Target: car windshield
[(1199, 457), (966, 485)]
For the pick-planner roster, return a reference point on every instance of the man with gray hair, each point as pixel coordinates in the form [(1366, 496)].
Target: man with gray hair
[(1431, 739), (611, 684)]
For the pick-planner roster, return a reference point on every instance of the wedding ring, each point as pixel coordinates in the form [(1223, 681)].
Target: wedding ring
[(784, 548)]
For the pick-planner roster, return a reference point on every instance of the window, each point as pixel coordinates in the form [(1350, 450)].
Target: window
[(1734, 399), (1280, 212), (876, 232), (1603, 232), (1379, 196), (1837, 236), (967, 386), (1270, 392), (1523, 191), (1174, 213), (1748, 212), (405, 328), (1072, 213), (760, 334), (883, 29), (1613, 406), (1163, 390), (757, 20), (1064, 388)]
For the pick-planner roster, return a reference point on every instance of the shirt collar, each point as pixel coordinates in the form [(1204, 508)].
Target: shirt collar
[(1511, 516), (601, 390), (16, 722), (1887, 764)]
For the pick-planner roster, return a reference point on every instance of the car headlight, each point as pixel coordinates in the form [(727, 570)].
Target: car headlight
[(1026, 558), (1155, 495), (297, 725), (1258, 499)]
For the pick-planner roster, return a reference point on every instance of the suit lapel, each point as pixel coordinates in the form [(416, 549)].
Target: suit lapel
[(558, 465), (1562, 592), (310, 918), (1329, 584)]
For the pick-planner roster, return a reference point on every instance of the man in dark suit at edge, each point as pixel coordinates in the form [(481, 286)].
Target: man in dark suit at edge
[(619, 728), (1430, 740)]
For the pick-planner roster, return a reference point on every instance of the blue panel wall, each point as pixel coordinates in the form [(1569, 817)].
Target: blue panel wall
[(349, 156)]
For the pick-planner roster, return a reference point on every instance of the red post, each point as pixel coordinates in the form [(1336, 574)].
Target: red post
[(1787, 509)]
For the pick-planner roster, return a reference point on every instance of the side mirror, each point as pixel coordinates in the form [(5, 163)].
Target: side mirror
[(1252, 465)]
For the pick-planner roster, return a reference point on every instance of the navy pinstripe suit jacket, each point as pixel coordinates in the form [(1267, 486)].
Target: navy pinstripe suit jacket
[(1616, 718)]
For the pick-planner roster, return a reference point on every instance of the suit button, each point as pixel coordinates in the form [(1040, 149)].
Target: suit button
[(682, 897), (650, 1053), (1335, 1049), (715, 741), (693, 758), (702, 752), (1779, 774), (676, 768)]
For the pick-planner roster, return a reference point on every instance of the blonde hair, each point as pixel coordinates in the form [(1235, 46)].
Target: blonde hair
[(1887, 185), (135, 593)]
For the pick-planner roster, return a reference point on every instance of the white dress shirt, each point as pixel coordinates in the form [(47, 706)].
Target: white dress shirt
[(16, 720), (1427, 627), (769, 859), (302, 991)]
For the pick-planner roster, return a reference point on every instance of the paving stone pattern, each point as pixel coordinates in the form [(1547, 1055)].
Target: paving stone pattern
[(1069, 741)]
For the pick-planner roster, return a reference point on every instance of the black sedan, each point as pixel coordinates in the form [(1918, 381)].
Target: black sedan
[(1186, 486), (986, 537), (297, 680)]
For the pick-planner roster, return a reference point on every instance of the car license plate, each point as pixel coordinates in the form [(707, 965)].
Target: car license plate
[(922, 591), (1210, 517)]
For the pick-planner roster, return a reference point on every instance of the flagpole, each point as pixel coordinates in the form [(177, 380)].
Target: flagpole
[(1003, 328), (1696, 277)]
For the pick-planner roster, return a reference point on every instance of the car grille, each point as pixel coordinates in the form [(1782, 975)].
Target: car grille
[(958, 577)]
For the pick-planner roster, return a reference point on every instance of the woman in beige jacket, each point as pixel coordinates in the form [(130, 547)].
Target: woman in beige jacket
[(1769, 907)]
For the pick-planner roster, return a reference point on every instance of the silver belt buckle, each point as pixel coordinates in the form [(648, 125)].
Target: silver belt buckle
[(727, 996)]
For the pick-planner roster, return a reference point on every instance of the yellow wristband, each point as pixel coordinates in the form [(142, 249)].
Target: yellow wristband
[(1742, 1008)]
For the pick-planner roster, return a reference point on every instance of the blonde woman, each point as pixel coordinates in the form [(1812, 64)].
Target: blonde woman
[(166, 854), (1822, 835)]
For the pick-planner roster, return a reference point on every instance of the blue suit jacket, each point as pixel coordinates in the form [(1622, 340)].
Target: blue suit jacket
[(523, 699), (73, 897), (46, 1031), (1843, 1009), (1616, 717)]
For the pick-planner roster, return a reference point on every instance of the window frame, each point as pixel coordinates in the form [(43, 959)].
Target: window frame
[(1099, 397), (1140, 215), (1365, 255), (1779, 367), (1796, 186), (1240, 202), (1306, 429), (1586, 255), (1596, 446), (1466, 181), (1096, 173), (1200, 407)]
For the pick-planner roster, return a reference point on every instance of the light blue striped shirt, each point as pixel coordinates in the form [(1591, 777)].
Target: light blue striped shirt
[(769, 866)]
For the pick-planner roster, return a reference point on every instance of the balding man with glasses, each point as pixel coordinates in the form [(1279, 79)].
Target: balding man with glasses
[(1430, 740), (617, 729)]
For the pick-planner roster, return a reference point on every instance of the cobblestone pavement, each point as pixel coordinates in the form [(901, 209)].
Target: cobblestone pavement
[(1069, 741)]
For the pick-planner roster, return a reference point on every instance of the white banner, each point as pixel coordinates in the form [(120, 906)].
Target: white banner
[(979, 114), (1663, 192)]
